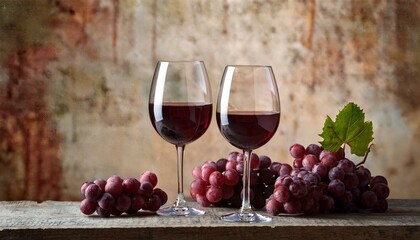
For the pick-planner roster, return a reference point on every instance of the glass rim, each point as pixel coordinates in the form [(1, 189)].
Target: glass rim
[(248, 66), (180, 61)]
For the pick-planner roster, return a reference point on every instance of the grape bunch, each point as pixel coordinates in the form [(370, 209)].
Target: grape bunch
[(324, 181), (220, 183), (116, 196)]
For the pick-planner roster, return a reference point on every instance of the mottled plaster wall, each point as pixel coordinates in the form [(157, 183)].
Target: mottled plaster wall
[(75, 77)]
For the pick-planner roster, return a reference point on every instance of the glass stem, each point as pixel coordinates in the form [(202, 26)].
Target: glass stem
[(180, 200), (246, 205)]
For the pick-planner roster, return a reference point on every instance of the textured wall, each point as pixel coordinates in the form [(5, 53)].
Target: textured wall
[(75, 77)]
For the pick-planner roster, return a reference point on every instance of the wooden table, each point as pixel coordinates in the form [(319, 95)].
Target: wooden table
[(63, 220)]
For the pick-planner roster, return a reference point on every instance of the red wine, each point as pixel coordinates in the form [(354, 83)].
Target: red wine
[(179, 122), (248, 130)]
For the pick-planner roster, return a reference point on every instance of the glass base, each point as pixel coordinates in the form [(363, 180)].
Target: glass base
[(179, 211), (250, 217)]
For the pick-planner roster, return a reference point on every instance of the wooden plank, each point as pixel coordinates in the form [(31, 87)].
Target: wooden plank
[(63, 220)]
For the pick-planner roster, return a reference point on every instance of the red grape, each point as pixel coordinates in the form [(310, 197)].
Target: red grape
[(297, 150), (258, 202), (198, 187), (153, 203), (116, 212), (214, 194), (312, 178), (286, 180), (265, 175), (273, 207), (216, 179), (258, 188), (88, 207), (329, 159), (307, 203), (351, 181), (84, 186), (255, 161), (137, 202), (206, 171), (202, 200), (131, 185), (346, 198), (265, 161), (314, 149), (107, 201), (115, 178), (231, 164), (336, 173), (231, 177), (293, 206), (150, 177), (368, 199), (364, 176), (240, 167), (356, 195), (340, 154), (346, 165), (269, 190), (320, 169), (326, 203), (232, 156), (161, 194), (378, 179), (309, 161), (123, 203), (253, 177), (381, 190), (326, 152), (114, 186), (146, 189), (285, 169), (301, 173), (275, 167), (103, 212), (101, 183), (221, 164), (240, 157), (93, 192), (196, 172), (211, 164), (298, 163), (316, 191), (381, 205), (228, 192), (298, 188), (336, 188), (281, 194)]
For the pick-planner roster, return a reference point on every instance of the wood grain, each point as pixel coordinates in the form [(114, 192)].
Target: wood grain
[(63, 220)]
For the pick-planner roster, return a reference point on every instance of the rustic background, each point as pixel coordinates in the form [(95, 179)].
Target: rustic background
[(75, 77)]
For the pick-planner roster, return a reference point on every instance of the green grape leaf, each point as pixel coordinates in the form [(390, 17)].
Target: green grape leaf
[(349, 128)]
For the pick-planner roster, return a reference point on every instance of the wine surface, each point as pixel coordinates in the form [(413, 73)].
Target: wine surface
[(180, 123), (248, 130)]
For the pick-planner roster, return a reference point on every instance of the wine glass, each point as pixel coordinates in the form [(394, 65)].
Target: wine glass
[(248, 114), (180, 109)]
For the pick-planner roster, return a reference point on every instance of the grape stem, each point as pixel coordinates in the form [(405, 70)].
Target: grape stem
[(366, 155)]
